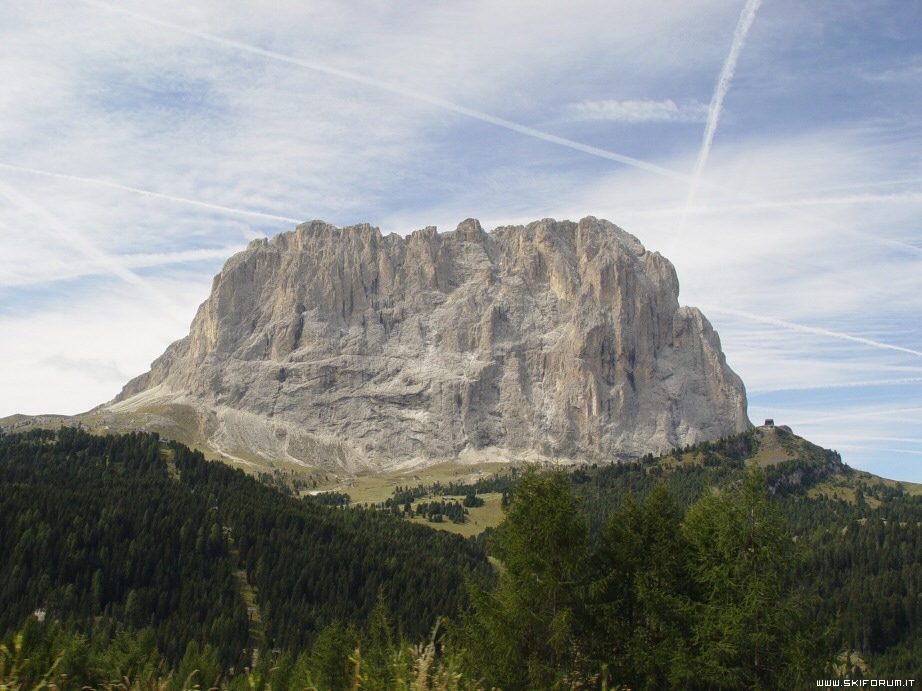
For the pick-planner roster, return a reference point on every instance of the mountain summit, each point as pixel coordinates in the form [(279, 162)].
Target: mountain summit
[(342, 348)]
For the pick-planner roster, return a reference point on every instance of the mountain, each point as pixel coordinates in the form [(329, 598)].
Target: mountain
[(341, 348)]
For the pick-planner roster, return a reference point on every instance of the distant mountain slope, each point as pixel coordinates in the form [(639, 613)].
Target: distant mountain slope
[(342, 348)]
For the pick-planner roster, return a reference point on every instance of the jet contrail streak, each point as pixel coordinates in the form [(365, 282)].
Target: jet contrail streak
[(879, 449), (72, 237), (158, 259), (82, 244), (792, 204), (723, 85), (810, 415), (896, 197), (149, 193), (839, 385), (902, 440), (809, 329), (400, 90)]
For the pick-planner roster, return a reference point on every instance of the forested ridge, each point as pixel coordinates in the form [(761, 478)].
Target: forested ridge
[(105, 534), (695, 570)]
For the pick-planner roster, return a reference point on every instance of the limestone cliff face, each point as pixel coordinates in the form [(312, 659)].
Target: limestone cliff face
[(341, 347)]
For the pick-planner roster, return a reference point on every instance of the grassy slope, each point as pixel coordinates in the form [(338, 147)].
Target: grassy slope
[(479, 519)]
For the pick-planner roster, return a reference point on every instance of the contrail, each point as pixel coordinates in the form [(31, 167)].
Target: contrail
[(840, 385), (895, 197), (902, 440), (810, 416), (82, 244), (71, 236), (879, 183), (879, 449), (796, 204), (149, 193), (723, 85), (809, 329), (400, 90), (161, 258)]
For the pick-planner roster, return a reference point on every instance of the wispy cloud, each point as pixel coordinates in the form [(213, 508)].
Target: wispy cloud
[(898, 75), (901, 414), (149, 193), (886, 469), (71, 355), (104, 371), (398, 89), (636, 111), (910, 197)]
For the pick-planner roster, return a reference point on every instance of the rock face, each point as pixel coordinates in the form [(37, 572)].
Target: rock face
[(338, 347)]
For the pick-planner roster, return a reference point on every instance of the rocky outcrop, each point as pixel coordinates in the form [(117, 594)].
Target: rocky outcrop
[(342, 347)]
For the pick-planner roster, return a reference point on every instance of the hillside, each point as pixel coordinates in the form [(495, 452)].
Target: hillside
[(131, 531), (794, 466), (242, 568), (859, 535)]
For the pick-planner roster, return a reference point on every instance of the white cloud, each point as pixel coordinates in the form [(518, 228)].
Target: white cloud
[(636, 111), (71, 356), (106, 372)]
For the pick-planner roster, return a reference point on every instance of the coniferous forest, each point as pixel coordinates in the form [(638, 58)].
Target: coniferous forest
[(131, 562)]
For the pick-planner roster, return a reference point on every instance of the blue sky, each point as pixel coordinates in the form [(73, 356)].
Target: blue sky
[(771, 150)]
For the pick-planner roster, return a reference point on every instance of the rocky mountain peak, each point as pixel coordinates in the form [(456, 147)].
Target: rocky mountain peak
[(341, 347)]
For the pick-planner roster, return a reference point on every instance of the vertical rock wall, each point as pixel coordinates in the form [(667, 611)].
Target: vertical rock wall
[(338, 346)]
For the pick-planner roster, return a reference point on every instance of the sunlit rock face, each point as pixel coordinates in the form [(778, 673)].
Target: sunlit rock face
[(340, 347)]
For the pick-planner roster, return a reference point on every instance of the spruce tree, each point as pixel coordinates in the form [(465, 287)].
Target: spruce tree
[(750, 629), (521, 634)]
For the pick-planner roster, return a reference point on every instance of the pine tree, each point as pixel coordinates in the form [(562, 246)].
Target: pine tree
[(640, 585), (750, 630), (329, 661), (521, 634)]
